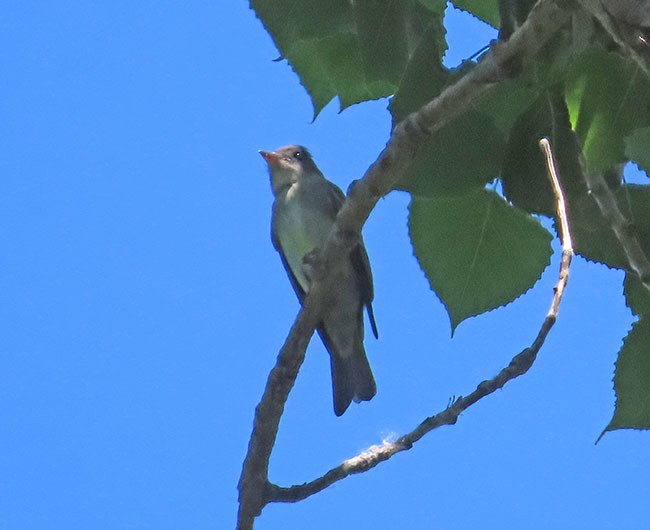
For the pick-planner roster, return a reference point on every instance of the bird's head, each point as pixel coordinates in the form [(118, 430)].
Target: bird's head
[(288, 165)]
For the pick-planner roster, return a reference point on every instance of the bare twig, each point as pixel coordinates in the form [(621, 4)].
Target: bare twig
[(563, 216), (543, 22), (519, 365), (565, 235)]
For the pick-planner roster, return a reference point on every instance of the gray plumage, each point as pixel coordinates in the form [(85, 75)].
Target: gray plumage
[(304, 210)]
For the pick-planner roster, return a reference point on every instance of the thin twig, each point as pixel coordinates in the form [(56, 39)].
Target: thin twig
[(547, 17), (565, 235), (519, 365), (563, 216)]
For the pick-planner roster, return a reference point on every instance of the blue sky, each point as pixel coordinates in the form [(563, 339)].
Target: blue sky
[(143, 304)]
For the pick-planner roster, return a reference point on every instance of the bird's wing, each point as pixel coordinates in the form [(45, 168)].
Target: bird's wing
[(335, 197), (359, 258), (300, 292), (361, 265)]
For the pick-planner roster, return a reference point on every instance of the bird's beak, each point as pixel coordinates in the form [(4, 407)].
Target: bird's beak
[(270, 158)]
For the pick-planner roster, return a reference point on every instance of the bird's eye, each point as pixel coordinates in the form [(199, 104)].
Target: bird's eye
[(297, 155)]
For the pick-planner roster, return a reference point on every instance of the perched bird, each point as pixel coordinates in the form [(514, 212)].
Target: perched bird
[(304, 210)]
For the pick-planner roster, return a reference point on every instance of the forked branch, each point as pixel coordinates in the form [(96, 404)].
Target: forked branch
[(547, 17), (519, 365)]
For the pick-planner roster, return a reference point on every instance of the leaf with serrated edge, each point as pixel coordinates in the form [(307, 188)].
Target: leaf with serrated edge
[(485, 10), (477, 251), (356, 51), (637, 297), (632, 380)]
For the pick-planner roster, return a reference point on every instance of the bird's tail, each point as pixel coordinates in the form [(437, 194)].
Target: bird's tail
[(352, 379)]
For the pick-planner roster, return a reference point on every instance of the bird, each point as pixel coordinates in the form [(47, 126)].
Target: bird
[(304, 210)]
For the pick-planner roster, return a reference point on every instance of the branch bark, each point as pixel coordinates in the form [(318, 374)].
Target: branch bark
[(255, 491)]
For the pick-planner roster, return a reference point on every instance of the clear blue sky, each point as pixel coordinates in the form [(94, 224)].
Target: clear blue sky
[(143, 304)]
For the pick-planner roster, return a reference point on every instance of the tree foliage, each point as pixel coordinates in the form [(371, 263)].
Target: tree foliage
[(588, 91), (464, 145)]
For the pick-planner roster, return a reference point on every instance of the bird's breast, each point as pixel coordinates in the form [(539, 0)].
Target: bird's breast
[(300, 226)]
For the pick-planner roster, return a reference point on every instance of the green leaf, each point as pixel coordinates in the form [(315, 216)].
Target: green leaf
[(608, 97), (637, 297), (423, 78), (333, 67), (290, 22), (504, 103), (354, 50), (632, 375), (524, 175), (477, 251), (635, 205), (467, 152), (486, 10), (632, 380), (637, 148), (463, 154), (594, 238)]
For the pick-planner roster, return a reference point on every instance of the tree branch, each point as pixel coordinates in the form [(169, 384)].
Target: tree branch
[(625, 21), (620, 225), (519, 365), (544, 20)]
